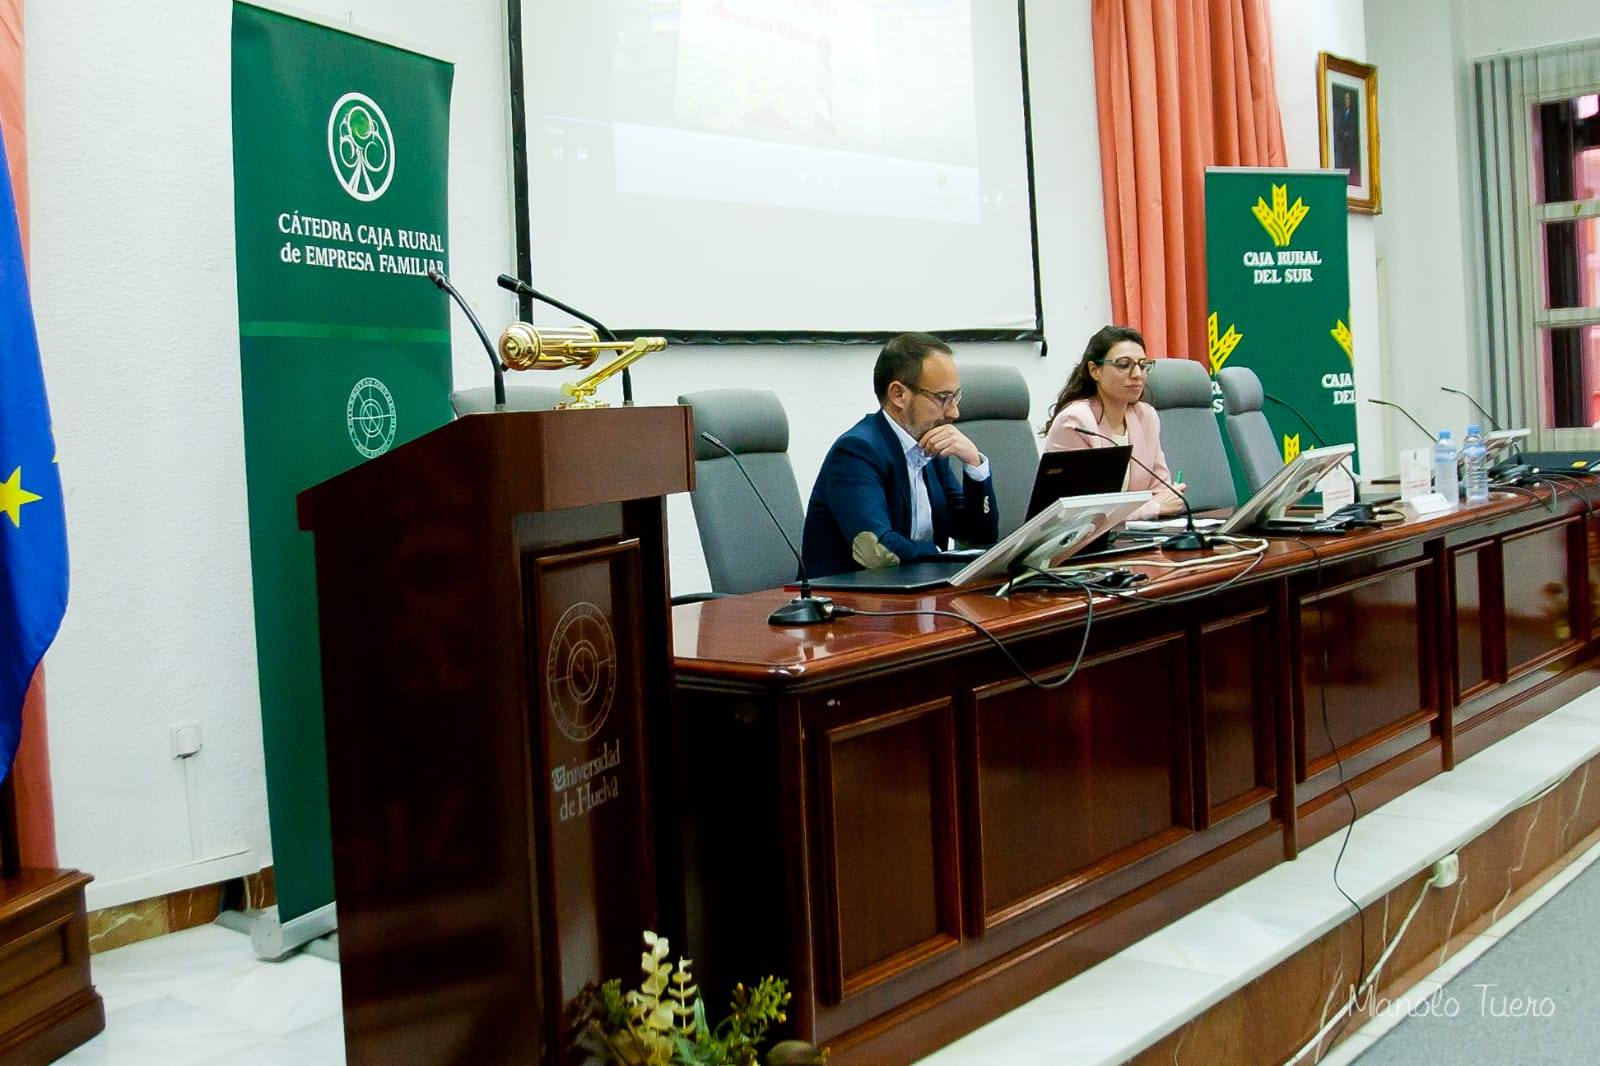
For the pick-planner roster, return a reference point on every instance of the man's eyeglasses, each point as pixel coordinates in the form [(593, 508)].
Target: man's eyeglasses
[(946, 400), (1126, 364)]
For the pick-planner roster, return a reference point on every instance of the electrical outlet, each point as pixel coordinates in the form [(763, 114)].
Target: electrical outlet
[(1446, 870), (185, 740)]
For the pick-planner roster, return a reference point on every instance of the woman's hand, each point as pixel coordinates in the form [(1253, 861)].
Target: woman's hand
[(1170, 503)]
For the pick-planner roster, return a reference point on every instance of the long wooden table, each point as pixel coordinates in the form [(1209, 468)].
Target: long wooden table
[(883, 811)]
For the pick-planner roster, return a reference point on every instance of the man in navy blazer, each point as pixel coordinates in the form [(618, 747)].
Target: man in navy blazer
[(885, 494)]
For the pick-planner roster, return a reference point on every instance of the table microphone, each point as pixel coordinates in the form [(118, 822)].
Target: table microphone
[(805, 609), (522, 288), (1191, 539), (1468, 397), (443, 283), (1511, 469), (1433, 438), (1344, 464)]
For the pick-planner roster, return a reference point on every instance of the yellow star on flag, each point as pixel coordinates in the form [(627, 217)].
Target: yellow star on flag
[(13, 496)]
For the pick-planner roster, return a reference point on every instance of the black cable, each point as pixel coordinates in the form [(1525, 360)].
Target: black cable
[(1583, 498), (1088, 599), (1086, 580), (1184, 597), (1327, 729), (1538, 498)]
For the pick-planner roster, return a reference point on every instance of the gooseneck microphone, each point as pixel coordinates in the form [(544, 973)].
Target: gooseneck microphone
[(522, 288), (1432, 437), (1468, 397), (1344, 464), (805, 609), (494, 357), (1191, 539)]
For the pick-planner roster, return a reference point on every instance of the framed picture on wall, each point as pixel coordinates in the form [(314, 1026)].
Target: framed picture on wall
[(1347, 127)]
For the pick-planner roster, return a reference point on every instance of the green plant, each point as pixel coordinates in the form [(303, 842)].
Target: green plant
[(663, 1022)]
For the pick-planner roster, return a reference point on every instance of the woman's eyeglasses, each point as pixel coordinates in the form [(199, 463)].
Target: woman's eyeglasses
[(1126, 364)]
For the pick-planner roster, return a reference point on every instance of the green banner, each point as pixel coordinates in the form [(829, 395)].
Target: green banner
[(1278, 282), (340, 151)]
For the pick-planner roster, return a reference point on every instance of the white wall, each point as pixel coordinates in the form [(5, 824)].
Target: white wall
[(133, 239), (133, 280), (1422, 233), (1489, 26), (1299, 31)]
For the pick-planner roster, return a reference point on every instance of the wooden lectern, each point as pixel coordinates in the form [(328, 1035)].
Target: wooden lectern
[(493, 604)]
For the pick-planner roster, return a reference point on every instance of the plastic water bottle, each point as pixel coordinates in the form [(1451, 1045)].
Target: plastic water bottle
[(1444, 469), (1475, 466)]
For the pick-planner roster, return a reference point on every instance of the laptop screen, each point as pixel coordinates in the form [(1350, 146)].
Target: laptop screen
[(1084, 472)]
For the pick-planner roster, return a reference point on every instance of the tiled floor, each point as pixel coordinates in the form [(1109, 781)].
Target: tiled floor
[(201, 996)]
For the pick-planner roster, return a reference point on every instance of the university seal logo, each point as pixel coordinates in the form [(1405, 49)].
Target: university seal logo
[(370, 417), (581, 671), (361, 146)]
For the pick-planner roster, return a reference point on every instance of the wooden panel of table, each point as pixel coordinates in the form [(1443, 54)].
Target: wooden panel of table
[(882, 810)]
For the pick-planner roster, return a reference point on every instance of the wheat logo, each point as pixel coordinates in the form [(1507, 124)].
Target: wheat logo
[(1291, 447), (361, 146), (1280, 220), (1221, 347), (1341, 336)]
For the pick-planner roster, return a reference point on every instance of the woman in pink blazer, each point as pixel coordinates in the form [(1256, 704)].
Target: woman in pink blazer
[(1102, 396)]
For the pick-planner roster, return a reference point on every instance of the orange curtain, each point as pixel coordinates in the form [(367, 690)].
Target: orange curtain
[(13, 116), (30, 775), (1180, 85)]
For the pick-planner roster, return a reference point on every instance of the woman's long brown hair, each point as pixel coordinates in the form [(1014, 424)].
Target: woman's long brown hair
[(1080, 386)]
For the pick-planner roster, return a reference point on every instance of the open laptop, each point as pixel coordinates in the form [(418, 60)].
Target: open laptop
[(1084, 472), (1267, 509), (1061, 530)]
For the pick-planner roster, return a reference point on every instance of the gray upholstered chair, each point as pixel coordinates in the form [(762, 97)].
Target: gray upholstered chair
[(1180, 389), (994, 414), (1253, 440), (744, 552), (518, 398)]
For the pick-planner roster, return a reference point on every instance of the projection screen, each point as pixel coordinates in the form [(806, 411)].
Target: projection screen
[(761, 169)]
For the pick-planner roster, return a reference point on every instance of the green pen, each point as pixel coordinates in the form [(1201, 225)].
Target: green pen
[(1178, 480)]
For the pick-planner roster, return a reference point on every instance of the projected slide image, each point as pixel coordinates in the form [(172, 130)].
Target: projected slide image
[(721, 93), (779, 71)]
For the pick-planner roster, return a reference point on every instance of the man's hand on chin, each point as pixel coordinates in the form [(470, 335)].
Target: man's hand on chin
[(946, 440)]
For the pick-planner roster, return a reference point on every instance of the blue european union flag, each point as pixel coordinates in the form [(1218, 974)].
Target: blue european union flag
[(33, 525)]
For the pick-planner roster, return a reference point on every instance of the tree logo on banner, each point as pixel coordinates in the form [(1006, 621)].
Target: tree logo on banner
[(361, 146), (1280, 220), (1221, 347), (1341, 336), (370, 417)]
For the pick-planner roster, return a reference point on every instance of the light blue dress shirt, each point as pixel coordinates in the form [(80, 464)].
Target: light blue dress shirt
[(916, 459)]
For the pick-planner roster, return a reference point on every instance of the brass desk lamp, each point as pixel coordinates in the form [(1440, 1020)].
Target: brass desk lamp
[(527, 347)]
